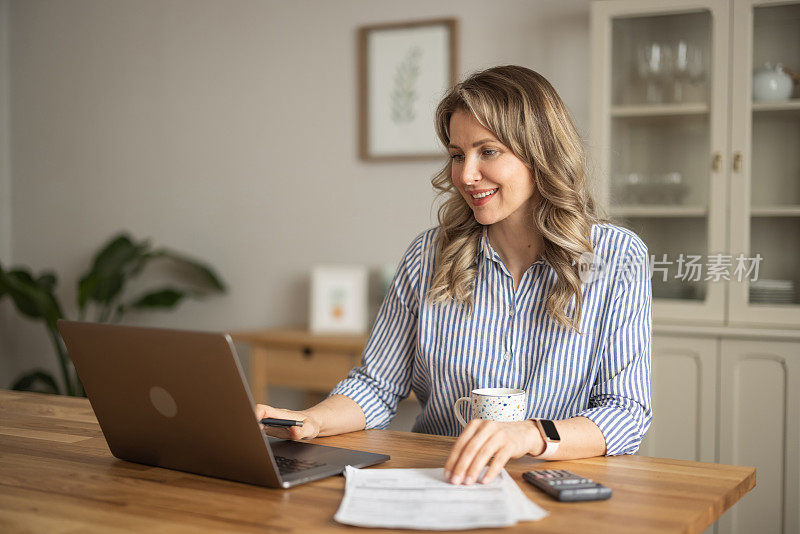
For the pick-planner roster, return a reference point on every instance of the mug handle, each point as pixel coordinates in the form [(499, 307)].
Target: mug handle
[(458, 412)]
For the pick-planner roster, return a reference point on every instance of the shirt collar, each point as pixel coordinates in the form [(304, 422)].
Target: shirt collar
[(487, 252)]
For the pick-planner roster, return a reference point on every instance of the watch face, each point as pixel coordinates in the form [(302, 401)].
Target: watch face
[(550, 430)]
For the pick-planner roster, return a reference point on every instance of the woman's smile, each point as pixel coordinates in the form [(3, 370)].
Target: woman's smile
[(479, 198)]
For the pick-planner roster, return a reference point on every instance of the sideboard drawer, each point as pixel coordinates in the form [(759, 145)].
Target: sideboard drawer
[(308, 369)]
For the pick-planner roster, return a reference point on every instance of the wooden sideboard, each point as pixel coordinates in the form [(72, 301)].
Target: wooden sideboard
[(296, 358)]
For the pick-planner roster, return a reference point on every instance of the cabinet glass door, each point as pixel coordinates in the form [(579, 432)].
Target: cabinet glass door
[(660, 134), (766, 163)]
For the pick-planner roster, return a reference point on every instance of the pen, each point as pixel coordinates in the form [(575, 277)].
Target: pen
[(268, 421)]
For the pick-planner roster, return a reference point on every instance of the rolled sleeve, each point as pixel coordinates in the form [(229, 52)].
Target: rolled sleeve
[(384, 377), (619, 402)]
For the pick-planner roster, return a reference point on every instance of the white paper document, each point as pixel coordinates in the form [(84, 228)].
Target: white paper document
[(424, 499)]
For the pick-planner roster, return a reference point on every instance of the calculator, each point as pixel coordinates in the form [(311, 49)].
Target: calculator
[(565, 485)]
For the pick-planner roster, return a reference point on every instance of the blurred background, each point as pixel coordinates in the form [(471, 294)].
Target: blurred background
[(227, 134), (228, 131)]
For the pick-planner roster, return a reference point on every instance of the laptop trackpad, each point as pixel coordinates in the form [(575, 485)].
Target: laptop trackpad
[(309, 452)]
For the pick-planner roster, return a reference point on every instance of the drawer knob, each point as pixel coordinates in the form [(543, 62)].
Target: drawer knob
[(307, 352)]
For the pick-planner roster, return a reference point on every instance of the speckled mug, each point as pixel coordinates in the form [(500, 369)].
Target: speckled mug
[(494, 404)]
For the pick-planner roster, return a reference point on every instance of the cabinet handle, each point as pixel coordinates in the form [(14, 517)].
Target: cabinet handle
[(737, 161), (307, 353), (716, 162)]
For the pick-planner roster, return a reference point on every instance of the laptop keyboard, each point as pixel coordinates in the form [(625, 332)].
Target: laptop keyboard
[(293, 465)]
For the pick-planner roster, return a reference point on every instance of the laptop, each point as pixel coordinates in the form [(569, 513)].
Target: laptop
[(178, 399)]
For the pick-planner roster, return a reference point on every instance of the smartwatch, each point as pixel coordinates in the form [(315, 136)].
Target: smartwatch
[(550, 437)]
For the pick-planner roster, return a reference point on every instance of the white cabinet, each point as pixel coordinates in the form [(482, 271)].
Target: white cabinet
[(684, 392), (707, 171), (693, 161), (659, 135), (765, 174), (733, 397), (760, 426)]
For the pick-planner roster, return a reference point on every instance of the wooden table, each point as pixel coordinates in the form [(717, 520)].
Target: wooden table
[(57, 475)]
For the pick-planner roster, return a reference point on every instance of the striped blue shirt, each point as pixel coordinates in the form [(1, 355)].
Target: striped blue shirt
[(441, 352)]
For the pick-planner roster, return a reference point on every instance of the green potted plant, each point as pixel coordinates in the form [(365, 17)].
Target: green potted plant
[(100, 292)]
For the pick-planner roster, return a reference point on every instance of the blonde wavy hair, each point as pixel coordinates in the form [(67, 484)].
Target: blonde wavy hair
[(524, 112)]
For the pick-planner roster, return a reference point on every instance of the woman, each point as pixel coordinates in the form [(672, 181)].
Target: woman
[(496, 297)]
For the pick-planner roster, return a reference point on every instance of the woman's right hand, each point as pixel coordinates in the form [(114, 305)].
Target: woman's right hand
[(309, 430)]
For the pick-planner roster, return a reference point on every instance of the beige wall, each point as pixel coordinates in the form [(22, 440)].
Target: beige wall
[(6, 313), (226, 130)]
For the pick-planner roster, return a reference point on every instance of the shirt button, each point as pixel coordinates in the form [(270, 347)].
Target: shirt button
[(511, 312), (507, 356)]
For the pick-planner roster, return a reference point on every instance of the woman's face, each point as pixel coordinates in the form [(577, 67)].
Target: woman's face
[(484, 167)]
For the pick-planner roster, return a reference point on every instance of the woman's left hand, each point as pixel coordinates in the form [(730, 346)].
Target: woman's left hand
[(481, 440)]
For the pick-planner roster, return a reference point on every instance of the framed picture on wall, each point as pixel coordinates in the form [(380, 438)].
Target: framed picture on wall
[(404, 70), (339, 300)]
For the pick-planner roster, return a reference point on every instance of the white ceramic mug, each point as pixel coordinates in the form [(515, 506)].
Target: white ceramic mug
[(494, 404)]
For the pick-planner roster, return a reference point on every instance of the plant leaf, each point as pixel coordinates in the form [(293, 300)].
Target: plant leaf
[(110, 267), (160, 298), (31, 298), (86, 287), (28, 382), (209, 277), (47, 281)]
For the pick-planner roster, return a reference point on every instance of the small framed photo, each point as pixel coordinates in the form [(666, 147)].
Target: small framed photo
[(404, 70), (339, 300)]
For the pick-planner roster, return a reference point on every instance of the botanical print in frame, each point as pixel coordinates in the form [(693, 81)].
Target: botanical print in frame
[(404, 71)]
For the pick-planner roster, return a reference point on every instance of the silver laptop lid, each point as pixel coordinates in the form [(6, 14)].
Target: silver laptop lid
[(171, 398)]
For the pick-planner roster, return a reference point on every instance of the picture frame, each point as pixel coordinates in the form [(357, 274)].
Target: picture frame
[(339, 299), (404, 70)]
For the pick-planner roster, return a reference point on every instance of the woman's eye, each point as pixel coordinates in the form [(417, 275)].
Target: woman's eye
[(490, 152), (457, 157)]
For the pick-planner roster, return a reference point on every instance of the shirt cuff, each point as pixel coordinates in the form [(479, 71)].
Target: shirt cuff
[(619, 427)]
